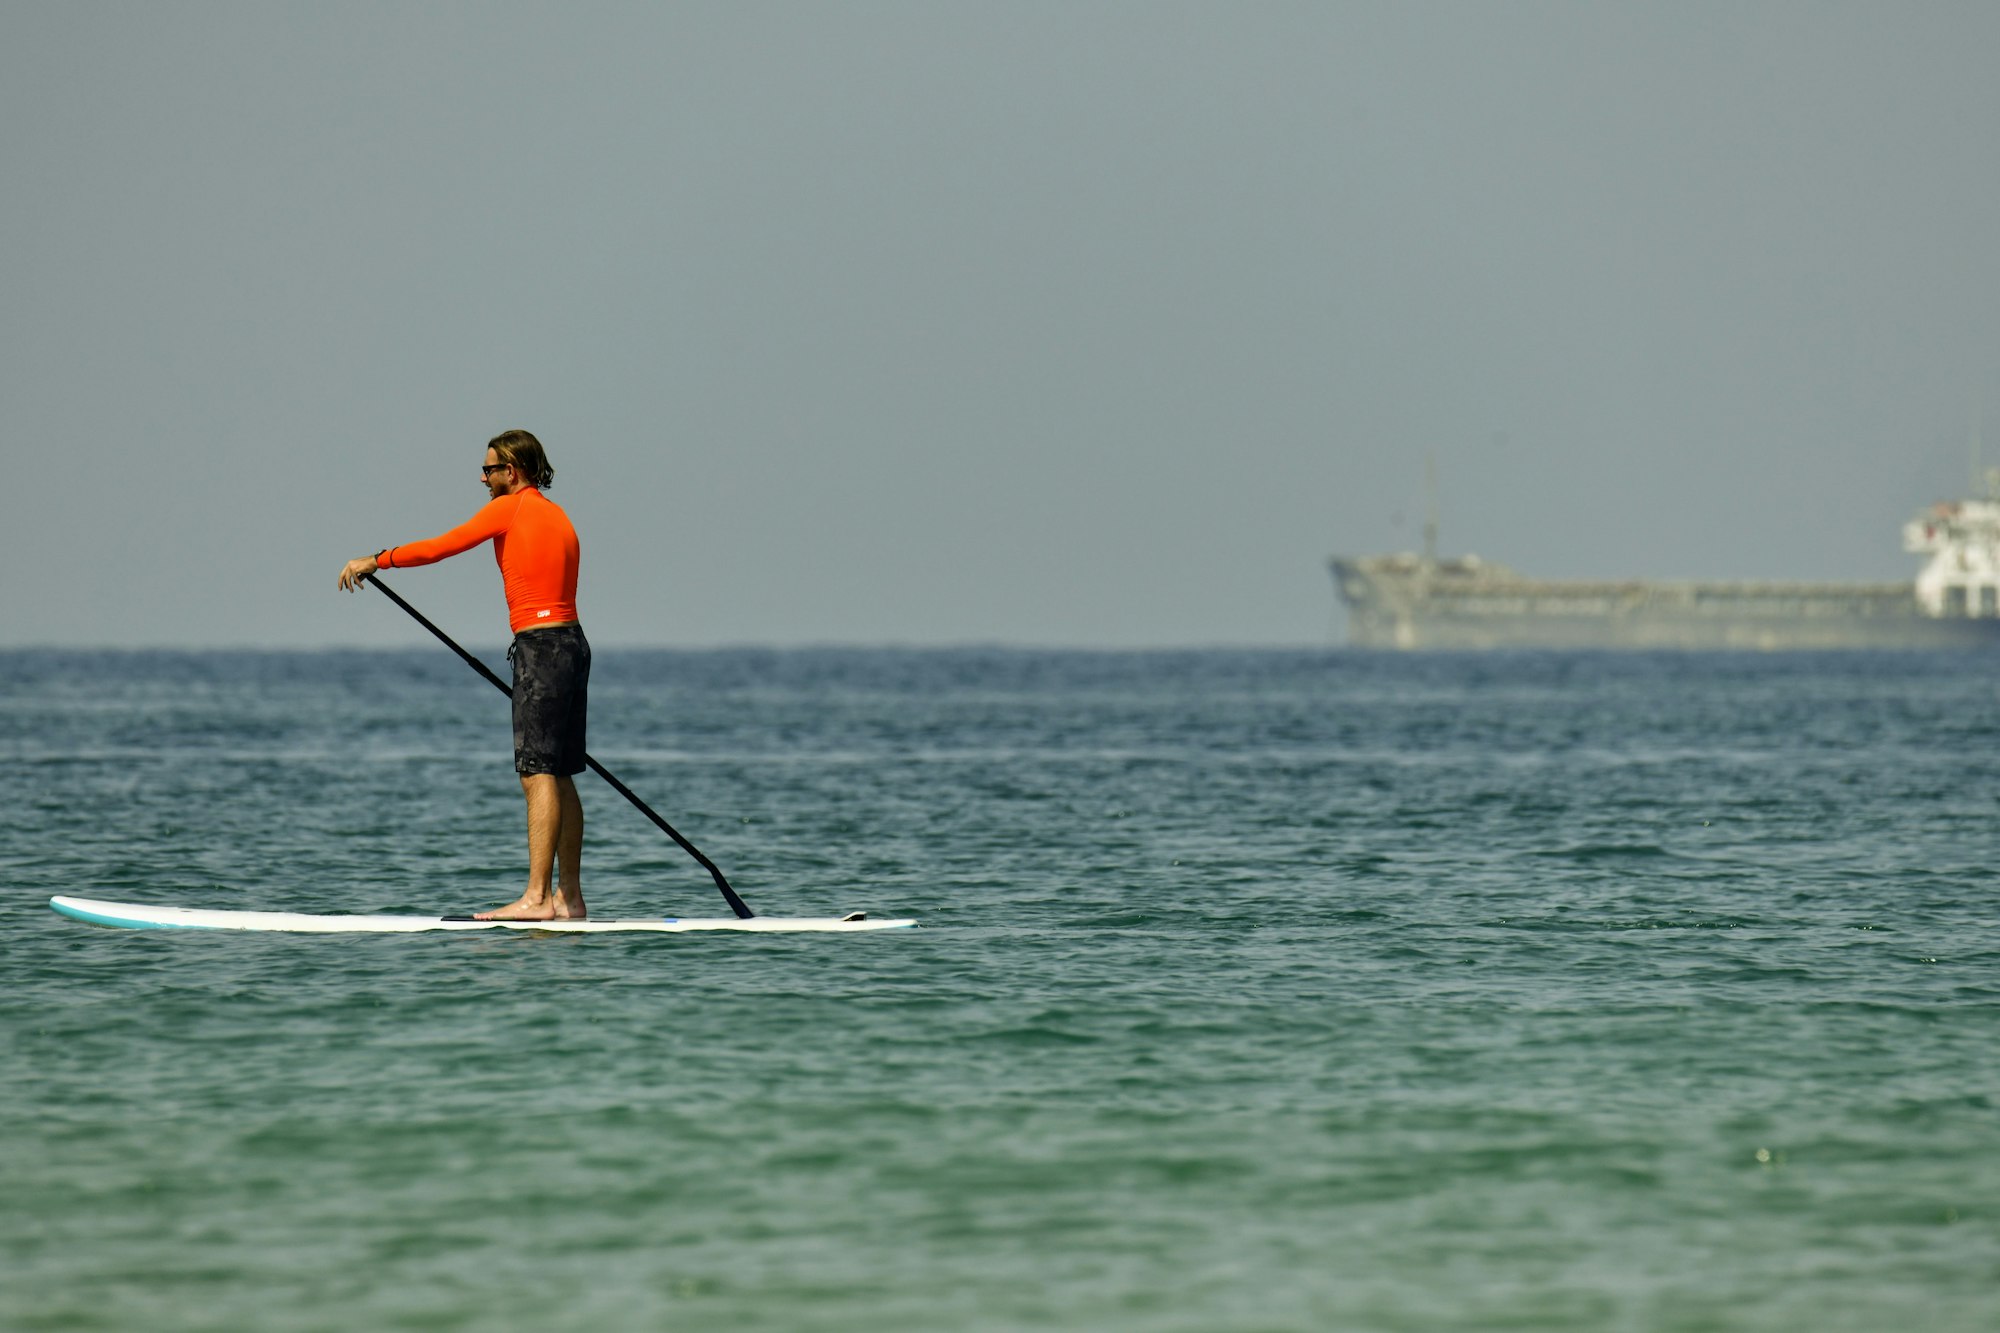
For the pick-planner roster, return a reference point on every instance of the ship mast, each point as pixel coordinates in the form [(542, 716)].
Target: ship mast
[(1430, 509), (1985, 480), (1980, 481)]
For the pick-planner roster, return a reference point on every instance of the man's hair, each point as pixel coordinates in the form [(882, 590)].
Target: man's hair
[(523, 452)]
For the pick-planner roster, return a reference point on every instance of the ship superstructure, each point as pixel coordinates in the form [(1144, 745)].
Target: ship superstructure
[(1423, 602), (1962, 578)]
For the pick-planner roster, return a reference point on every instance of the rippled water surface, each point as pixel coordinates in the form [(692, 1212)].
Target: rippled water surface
[(1253, 991)]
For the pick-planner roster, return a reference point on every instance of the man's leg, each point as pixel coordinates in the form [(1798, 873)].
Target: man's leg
[(569, 850), (545, 818)]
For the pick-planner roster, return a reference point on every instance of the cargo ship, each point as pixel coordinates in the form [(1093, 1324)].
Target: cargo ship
[(1419, 602)]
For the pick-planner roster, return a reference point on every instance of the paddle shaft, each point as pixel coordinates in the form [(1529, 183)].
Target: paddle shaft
[(736, 904)]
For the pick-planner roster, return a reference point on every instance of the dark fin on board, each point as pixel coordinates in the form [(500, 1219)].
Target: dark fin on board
[(855, 916)]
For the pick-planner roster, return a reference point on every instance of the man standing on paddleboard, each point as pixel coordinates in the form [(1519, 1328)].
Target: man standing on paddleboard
[(536, 549)]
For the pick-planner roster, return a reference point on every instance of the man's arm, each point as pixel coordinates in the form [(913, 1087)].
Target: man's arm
[(488, 523)]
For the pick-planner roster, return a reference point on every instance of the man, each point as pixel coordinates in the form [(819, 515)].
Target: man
[(536, 549)]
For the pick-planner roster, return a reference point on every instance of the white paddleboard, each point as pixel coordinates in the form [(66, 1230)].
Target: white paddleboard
[(137, 916)]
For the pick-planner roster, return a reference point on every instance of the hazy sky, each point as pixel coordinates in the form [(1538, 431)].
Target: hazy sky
[(1077, 323)]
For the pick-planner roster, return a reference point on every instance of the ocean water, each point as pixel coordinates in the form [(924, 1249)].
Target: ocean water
[(1254, 991)]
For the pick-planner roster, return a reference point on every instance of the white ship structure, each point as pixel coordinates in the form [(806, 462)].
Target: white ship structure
[(1418, 602)]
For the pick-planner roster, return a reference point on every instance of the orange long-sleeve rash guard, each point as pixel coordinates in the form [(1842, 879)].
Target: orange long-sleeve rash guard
[(534, 545)]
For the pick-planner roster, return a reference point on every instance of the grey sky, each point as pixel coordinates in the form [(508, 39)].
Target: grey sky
[(1096, 324)]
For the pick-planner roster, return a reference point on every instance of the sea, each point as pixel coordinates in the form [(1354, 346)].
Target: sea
[(1303, 989)]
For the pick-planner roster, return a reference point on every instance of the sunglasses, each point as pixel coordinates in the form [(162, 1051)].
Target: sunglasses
[(488, 469)]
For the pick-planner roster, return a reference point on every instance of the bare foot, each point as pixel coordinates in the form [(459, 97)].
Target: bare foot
[(569, 907), (523, 908)]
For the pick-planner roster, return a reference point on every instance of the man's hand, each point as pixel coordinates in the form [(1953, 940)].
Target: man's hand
[(354, 571)]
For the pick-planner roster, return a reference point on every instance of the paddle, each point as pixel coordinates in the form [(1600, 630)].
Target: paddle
[(736, 904)]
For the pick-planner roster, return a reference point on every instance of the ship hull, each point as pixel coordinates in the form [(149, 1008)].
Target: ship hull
[(1411, 604)]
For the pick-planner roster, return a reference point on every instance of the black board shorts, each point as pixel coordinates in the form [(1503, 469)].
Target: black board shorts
[(551, 696)]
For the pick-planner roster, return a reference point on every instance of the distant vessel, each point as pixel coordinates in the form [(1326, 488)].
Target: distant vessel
[(1421, 602)]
